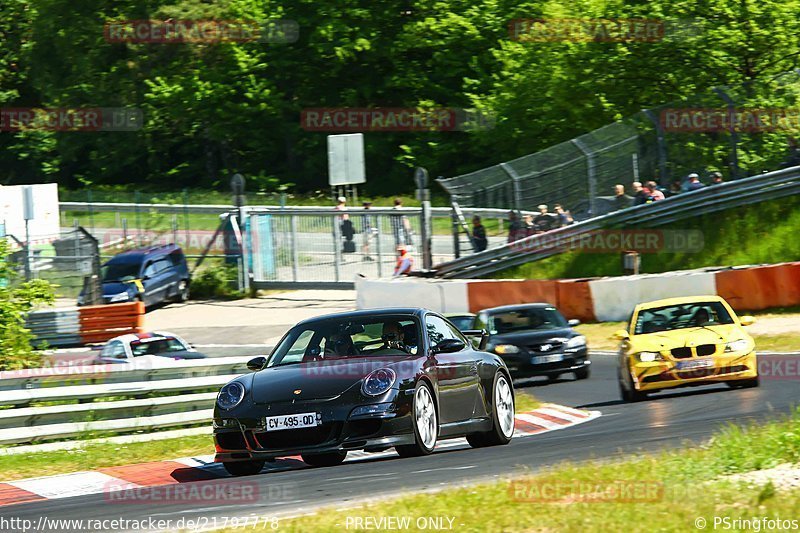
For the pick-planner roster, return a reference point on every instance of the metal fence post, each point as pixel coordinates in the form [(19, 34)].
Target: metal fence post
[(590, 175), (138, 218), (186, 215), (734, 135), (663, 168), (515, 184), (336, 240), (293, 244), (91, 209), (378, 244)]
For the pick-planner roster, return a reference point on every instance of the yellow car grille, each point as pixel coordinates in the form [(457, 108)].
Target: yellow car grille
[(701, 350)]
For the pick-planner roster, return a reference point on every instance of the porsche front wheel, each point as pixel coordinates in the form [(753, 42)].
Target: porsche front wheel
[(502, 416), (425, 422)]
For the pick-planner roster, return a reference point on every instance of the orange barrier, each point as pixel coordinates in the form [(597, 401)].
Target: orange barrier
[(752, 289), (574, 299), (99, 323), (485, 294)]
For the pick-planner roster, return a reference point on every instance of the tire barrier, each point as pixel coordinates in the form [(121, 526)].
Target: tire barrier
[(76, 326), (609, 299)]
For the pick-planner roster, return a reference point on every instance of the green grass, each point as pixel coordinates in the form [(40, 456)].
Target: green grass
[(99, 455), (760, 233), (676, 488)]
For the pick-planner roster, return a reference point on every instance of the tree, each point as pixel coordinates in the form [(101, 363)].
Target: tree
[(16, 300)]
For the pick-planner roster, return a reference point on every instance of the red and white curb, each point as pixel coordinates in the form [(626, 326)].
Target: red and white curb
[(548, 417)]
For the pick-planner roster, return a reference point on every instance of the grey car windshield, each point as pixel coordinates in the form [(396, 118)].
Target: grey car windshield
[(345, 338), (120, 271), (534, 318)]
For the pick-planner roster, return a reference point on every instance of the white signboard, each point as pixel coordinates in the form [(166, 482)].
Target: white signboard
[(346, 159), (45, 221)]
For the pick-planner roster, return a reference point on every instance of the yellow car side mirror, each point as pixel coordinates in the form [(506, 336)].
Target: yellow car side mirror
[(621, 335), (747, 320)]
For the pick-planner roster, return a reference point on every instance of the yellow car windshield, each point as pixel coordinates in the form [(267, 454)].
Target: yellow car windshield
[(689, 315)]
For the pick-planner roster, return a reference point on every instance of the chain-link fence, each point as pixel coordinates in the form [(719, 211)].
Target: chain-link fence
[(66, 260), (740, 131)]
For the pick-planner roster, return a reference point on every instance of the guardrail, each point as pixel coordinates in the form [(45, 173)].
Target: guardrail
[(110, 398), (74, 326), (777, 184)]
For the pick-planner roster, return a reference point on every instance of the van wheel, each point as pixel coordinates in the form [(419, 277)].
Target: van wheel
[(183, 291)]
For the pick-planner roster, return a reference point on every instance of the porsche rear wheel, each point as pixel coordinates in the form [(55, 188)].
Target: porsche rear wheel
[(324, 459), (244, 468), (502, 416), (425, 422)]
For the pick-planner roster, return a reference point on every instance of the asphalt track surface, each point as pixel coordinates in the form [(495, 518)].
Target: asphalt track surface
[(668, 420)]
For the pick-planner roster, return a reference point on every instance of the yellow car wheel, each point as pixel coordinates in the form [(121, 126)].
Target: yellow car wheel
[(628, 391)]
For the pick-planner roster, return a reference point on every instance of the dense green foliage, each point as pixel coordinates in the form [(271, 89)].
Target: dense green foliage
[(16, 299), (760, 233), (210, 109)]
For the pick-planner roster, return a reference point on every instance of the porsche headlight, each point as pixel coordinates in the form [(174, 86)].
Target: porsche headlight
[(576, 342), (737, 346), (504, 349), (230, 395), (378, 381), (649, 357)]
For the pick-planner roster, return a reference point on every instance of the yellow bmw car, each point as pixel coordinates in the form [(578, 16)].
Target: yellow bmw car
[(687, 341)]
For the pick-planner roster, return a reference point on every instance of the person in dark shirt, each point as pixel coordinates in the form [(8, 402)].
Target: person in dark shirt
[(640, 196), (479, 239), (516, 230), (621, 200), (563, 217), (694, 183), (716, 178), (544, 221)]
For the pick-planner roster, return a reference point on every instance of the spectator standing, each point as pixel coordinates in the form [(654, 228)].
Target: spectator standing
[(694, 183), (341, 205), (655, 193), (368, 229), (563, 217), (639, 195), (401, 227), (405, 262), (528, 227), (544, 221), (479, 239), (675, 188), (716, 178), (516, 230), (621, 200)]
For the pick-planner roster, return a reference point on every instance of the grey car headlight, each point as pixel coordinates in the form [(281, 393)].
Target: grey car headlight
[(230, 395)]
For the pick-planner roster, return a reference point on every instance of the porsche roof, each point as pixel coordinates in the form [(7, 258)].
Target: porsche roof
[(367, 313)]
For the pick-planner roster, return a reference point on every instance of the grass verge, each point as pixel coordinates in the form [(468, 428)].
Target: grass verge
[(100, 455), (667, 491)]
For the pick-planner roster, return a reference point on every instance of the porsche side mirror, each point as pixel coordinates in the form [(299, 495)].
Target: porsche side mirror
[(621, 335), (448, 346), (257, 363), (746, 320), (573, 322)]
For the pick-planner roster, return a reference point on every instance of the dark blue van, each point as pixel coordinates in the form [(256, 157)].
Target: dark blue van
[(153, 275)]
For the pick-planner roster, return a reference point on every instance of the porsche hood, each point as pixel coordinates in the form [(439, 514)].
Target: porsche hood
[(318, 379)]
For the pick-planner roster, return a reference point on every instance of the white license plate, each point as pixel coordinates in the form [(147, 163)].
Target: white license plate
[(302, 420), (696, 363), (540, 359)]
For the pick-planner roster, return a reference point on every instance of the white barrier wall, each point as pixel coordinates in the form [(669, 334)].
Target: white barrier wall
[(436, 295), (615, 298)]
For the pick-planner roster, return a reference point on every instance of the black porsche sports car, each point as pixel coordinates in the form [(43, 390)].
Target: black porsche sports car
[(365, 380)]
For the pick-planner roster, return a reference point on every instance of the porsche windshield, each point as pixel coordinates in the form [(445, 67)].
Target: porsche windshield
[(343, 338), (681, 316)]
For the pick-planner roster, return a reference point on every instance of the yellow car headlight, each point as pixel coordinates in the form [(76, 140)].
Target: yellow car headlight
[(649, 357), (737, 346)]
